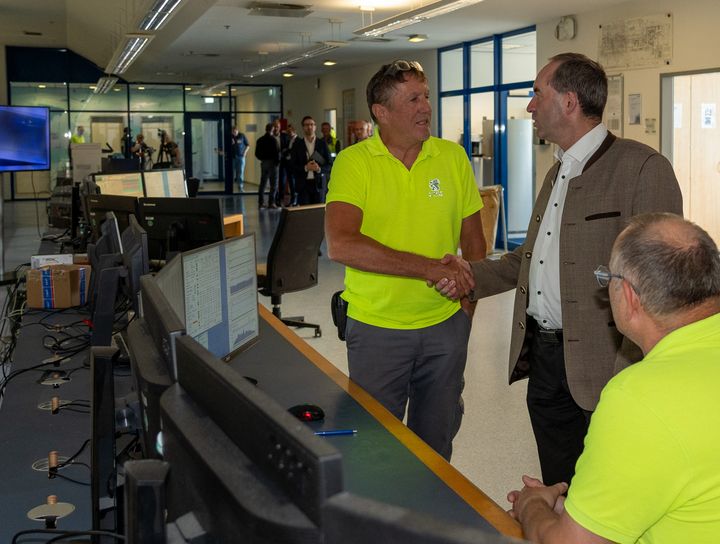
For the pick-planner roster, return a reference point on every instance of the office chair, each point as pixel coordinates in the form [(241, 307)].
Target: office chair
[(292, 262)]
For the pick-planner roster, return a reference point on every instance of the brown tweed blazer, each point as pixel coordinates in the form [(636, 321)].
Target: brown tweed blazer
[(623, 178)]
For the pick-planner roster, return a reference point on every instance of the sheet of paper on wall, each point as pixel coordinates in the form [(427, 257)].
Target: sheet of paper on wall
[(707, 115), (634, 109), (677, 115)]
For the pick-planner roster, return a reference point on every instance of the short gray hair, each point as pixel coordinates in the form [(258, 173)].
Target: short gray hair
[(586, 78), (672, 263), (381, 86)]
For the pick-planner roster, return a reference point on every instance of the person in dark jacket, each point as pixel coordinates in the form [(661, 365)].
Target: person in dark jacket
[(267, 151), (310, 158)]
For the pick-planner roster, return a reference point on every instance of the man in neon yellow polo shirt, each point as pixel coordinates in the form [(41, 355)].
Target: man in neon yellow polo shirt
[(398, 202), (650, 471)]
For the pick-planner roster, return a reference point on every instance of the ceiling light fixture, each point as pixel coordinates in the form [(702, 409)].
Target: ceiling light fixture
[(329, 62), (158, 14), (407, 18), (417, 38), (288, 74), (128, 51), (104, 84), (320, 49)]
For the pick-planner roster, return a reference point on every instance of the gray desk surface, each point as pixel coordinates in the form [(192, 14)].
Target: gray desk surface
[(384, 460), (27, 433)]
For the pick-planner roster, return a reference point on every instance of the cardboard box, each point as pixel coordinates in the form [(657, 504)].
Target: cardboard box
[(38, 261), (58, 286)]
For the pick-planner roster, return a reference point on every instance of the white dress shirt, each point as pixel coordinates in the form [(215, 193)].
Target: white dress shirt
[(544, 285)]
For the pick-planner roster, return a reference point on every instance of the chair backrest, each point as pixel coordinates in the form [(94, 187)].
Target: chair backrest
[(491, 198), (292, 263)]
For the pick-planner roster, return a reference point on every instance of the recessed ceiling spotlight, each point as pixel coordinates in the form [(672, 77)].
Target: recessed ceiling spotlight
[(329, 62), (42, 86), (188, 88), (288, 74), (141, 88), (417, 38)]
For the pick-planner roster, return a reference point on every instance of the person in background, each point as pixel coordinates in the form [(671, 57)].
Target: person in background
[(239, 147), (287, 177), (361, 130), (169, 151), (649, 471), (310, 155), (398, 202), (141, 150), (267, 151), (562, 338), (79, 136), (126, 143)]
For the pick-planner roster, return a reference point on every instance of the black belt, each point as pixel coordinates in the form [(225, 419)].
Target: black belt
[(554, 336)]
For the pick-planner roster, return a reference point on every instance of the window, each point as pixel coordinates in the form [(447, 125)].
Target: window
[(491, 79)]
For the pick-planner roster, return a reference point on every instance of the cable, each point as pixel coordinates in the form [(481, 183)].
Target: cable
[(65, 534), (58, 475), (72, 457)]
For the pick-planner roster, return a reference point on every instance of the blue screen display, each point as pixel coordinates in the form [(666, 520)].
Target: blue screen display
[(24, 138)]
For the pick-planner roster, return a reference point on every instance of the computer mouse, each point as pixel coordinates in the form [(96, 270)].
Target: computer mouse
[(307, 412)]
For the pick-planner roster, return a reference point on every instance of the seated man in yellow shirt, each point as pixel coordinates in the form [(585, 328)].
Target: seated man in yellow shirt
[(650, 471)]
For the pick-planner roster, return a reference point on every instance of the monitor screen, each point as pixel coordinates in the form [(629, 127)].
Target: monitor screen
[(24, 138), (127, 184), (166, 183), (214, 291), (180, 224), (135, 258), (99, 205), (221, 433)]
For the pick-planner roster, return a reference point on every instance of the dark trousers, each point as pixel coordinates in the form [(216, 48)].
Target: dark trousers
[(420, 370), (268, 175), (558, 423), (308, 190)]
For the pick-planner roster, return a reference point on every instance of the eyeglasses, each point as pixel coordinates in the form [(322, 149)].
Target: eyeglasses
[(402, 66), (603, 275)]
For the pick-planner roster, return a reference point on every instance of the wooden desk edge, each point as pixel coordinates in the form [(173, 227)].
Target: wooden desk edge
[(453, 478)]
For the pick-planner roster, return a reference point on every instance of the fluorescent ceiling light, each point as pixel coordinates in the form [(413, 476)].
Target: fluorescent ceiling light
[(319, 49), (329, 62), (158, 14), (407, 18), (128, 51), (104, 84), (417, 38), (288, 74)]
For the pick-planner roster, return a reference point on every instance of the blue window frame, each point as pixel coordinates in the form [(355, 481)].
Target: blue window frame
[(483, 92)]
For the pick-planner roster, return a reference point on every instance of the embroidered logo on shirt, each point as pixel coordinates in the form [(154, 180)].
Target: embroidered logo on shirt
[(434, 187)]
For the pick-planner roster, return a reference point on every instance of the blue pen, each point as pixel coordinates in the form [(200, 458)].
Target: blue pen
[(336, 433)]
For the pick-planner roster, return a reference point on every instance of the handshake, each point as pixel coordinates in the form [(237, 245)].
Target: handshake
[(451, 277)]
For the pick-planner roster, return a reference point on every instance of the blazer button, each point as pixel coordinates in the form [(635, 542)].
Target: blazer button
[(523, 290), (537, 218), (521, 324), (528, 254)]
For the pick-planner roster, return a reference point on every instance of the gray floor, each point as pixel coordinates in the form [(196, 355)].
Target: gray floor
[(495, 444)]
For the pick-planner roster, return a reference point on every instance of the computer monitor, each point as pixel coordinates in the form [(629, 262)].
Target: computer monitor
[(180, 224), (99, 205), (165, 183), (135, 258), (213, 290), (24, 138), (122, 184), (103, 464), (257, 473), (350, 519), (152, 377)]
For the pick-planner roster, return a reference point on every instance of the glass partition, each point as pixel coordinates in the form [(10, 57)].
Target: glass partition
[(482, 64), (452, 118), (49, 95), (451, 76), (155, 97), (519, 57), (82, 98), (256, 99)]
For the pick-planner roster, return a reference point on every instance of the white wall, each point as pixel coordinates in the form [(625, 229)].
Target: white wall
[(301, 97), (696, 46)]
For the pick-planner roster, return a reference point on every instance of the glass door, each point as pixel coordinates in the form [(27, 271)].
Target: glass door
[(207, 151)]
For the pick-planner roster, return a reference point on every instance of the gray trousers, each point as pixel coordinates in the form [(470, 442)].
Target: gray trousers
[(421, 369)]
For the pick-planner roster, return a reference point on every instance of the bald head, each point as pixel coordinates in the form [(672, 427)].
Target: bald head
[(672, 263)]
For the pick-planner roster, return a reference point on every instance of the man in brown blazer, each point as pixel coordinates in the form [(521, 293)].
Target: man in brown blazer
[(563, 334)]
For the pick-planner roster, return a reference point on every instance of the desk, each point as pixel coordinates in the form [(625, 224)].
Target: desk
[(385, 460), (233, 225)]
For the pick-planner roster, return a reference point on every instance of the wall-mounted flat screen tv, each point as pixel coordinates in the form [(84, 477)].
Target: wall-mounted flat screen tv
[(24, 138)]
